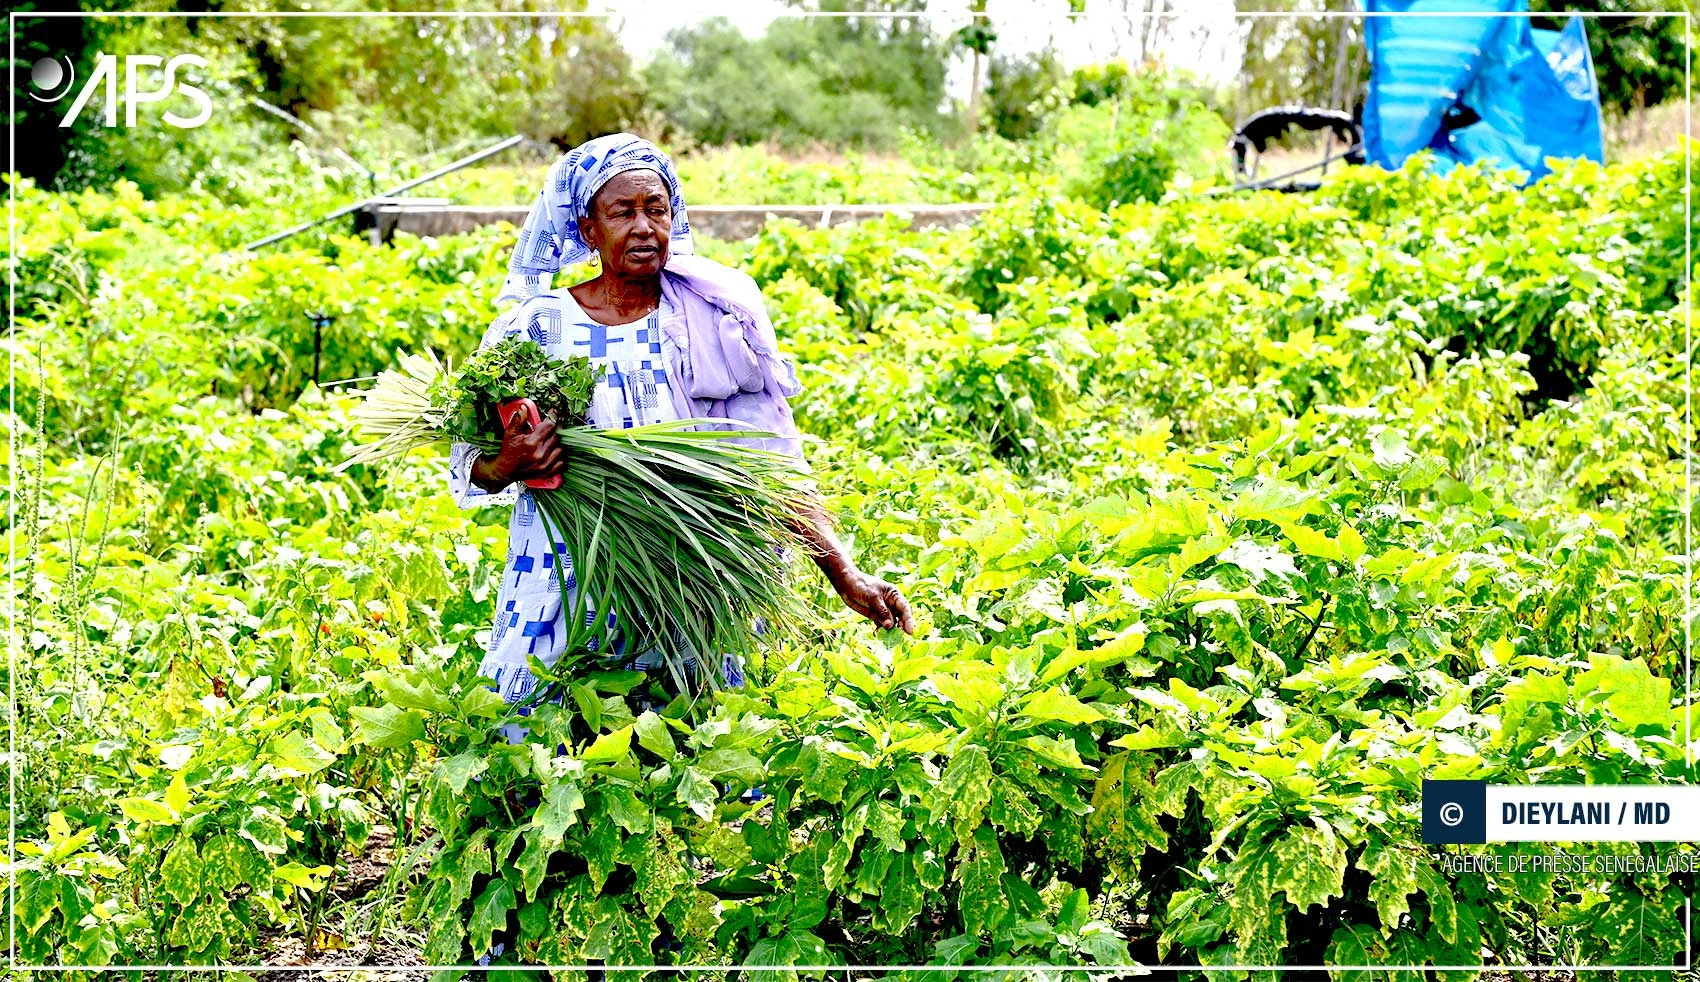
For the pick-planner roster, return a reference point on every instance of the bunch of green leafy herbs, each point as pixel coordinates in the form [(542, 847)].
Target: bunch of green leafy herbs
[(514, 368)]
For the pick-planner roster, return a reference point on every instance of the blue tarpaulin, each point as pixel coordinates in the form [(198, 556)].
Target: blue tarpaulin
[(1472, 88)]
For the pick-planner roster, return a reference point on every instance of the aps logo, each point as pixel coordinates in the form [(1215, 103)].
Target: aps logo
[(57, 77)]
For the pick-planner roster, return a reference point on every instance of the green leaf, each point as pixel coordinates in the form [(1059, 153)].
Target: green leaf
[(654, 736), (1273, 501), (1310, 864), (559, 810), (618, 682), (1394, 879), (610, 748), (227, 862), (1633, 696), (794, 948), (900, 897), (38, 897), (1075, 912), (589, 705), (982, 902), (482, 702), (146, 810), (697, 793), (956, 950), (387, 726), (404, 694), (490, 914), (1442, 909), (767, 844), (1346, 947), (1056, 751), (1312, 542), (265, 830), (306, 877), (298, 753), (732, 762), (533, 862), (1104, 944), (965, 788), (180, 873), (1059, 706), (456, 771), (810, 895)]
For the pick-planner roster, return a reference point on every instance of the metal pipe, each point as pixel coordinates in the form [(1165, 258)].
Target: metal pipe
[(1334, 91), (350, 209), (1268, 181), (301, 124)]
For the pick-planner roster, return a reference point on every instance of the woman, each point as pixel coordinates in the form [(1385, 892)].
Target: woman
[(680, 337)]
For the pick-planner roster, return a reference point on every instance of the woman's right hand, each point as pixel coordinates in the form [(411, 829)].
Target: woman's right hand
[(528, 453)]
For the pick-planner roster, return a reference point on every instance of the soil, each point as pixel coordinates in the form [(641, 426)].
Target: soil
[(366, 872), (283, 951), (386, 962)]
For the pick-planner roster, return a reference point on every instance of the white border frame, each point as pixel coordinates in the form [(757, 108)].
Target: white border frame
[(1687, 523)]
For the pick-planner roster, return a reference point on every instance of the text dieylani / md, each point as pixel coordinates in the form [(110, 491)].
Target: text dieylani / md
[(1582, 813)]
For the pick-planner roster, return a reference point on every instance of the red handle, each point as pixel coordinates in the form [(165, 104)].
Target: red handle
[(514, 407)]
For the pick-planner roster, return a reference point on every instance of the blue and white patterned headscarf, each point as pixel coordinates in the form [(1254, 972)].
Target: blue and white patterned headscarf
[(550, 238)]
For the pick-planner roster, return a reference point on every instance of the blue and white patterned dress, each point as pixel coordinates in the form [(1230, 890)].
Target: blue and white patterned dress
[(634, 392)]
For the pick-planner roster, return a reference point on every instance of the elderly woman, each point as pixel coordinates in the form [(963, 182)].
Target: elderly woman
[(680, 336)]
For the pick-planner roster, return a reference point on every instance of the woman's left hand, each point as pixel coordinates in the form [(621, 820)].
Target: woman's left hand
[(876, 600)]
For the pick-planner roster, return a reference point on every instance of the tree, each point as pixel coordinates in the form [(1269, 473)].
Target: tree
[(1023, 91), (1300, 59), (976, 37), (1637, 60), (852, 82)]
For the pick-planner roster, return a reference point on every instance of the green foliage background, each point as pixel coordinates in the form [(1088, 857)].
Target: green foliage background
[(1227, 518)]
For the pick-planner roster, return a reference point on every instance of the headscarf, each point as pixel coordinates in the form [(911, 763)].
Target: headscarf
[(550, 238)]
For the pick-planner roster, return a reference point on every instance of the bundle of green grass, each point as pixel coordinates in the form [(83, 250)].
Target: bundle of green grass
[(685, 532)]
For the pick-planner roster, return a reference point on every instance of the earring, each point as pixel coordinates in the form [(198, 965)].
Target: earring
[(595, 259)]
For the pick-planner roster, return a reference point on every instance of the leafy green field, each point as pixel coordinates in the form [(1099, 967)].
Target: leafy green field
[(1227, 520)]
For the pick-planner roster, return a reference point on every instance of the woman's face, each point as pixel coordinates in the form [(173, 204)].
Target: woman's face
[(629, 222)]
